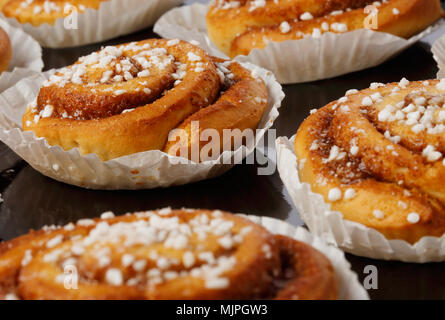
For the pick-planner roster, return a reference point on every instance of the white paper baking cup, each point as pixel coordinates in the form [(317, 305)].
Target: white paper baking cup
[(350, 236), (296, 61), (438, 50), (26, 56), (9, 79), (143, 170), (349, 287), (114, 18)]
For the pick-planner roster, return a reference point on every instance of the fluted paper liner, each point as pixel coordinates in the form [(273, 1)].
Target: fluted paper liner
[(113, 18), (439, 55), (9, 79), (349, 287), (350, 236), (143, 170), (296, 61), (26, 56)]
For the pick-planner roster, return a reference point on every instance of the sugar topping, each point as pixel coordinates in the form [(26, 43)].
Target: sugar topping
[(306, 16), (431, 154), (285, 27), (378, 214), (121, 72), (413, 218), (151, 230), (11, 296), (115, 66), (421, 110), (350, 194), (114, 277), (410, 119), (255, 4), (334, 194), (48, 7), (339, 27)]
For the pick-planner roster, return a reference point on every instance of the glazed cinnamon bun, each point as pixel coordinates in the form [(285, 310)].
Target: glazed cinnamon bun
[(38, 12), (128, 99), (164, 254), (5, 51), (255, 23), (377, 156)]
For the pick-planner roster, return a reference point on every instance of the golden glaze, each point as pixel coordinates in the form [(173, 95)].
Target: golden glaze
[(103, 128), (254, 29), (393, 178), (5, 51), (302, 271)]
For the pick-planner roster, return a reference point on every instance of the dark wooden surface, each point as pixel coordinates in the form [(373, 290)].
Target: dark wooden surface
[(32, 200)]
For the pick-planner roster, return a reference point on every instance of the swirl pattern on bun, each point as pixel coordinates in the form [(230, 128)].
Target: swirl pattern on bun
[(377, 156), (164, 254), (255, 23), (127, 99)]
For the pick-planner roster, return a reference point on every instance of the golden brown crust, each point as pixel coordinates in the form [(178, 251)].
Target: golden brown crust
[(5, 51), (385, 146), (91, 113), (39, 12), (310, 274), (241, 107), (254, 28), (180, 254)]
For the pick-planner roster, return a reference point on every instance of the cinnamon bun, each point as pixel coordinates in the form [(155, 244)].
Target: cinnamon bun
[(164, 254), (128, 99), (38, 12), (377, 156), (255, 23), (5, 51)]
